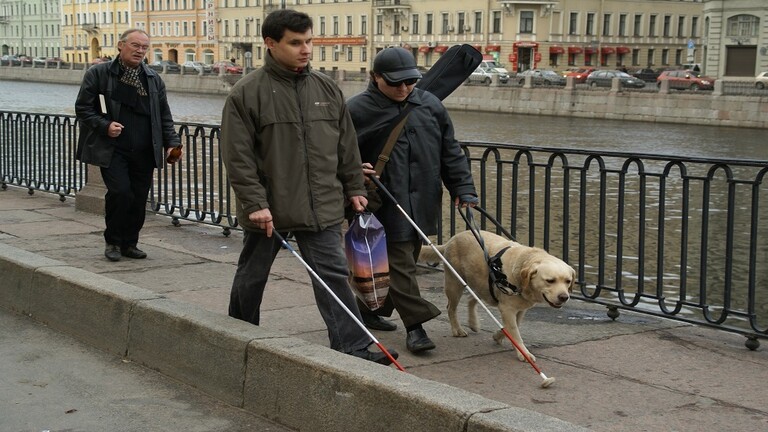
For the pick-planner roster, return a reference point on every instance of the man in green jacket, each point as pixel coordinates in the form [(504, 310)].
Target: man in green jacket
[(291, 154)]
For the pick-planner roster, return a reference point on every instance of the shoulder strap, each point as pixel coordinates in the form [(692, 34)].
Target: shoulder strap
[(394, 134)]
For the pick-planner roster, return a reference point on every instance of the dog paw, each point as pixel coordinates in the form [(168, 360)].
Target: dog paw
[(498, 337), (521, 357), (459, 332)]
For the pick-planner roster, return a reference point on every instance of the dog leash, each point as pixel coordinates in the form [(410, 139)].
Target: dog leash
[(496, 277)]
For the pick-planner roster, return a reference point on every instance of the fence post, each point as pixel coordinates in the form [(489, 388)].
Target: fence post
[(90, 198)]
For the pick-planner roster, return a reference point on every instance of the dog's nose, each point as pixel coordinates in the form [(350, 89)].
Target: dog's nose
[(563, 298)]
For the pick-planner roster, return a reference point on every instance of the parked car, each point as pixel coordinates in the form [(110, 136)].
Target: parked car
[(39, 60), (98, 60), (228, 67), (604, 78), (761, 81), (645, 74), (686, 80), (169, 65), (579, 74), (198, 66), (10, 60), (541, 77), (485, 75)]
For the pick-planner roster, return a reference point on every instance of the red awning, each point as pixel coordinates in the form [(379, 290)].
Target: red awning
[(441, 48), (525, 44), (608, 50), (424, 49), (589, 50), (492, 48), (556, 50), (623, 50), (575, 50), (478, 47)]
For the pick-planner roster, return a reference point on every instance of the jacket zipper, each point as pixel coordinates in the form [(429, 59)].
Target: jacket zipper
[(306, 151)]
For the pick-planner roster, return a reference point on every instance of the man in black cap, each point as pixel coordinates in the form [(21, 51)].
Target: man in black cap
[(425, 154)]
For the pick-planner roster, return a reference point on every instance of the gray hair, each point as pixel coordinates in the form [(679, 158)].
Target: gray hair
[(124, 36)]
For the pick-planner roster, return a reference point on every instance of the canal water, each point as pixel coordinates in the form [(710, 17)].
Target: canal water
[(543, 131)]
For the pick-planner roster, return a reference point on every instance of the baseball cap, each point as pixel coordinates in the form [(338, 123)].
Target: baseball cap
[(395, 64)]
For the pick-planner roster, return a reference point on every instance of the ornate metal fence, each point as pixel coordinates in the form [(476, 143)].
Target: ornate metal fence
[(681, 238)]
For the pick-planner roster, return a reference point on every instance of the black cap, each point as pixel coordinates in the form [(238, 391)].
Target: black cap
[(395, 64)]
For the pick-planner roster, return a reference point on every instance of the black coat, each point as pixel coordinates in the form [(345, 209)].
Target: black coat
[(425, 157), (94, 146)]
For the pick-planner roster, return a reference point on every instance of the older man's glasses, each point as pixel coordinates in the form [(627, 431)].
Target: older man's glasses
[(408, 82), (138, 47)]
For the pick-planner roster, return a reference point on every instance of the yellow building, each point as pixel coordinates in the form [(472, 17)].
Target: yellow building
[(177, 29), (92, 29), (523, 34)]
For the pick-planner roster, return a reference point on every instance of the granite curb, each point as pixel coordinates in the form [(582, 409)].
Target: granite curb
[(286, 379)]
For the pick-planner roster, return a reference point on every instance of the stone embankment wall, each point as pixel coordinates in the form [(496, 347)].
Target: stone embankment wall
[(704, 108)]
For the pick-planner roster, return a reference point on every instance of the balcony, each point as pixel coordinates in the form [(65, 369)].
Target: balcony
[(392, 7), (90, 28), (546, 5)]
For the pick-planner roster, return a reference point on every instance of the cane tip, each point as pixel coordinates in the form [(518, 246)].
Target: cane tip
[(547, 382)]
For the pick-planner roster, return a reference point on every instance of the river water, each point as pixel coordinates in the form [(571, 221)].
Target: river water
[(543, 131)]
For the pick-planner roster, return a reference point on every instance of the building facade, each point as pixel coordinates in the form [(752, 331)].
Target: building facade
[(523, 34), (736, 37), (30, 27), (177, 29), (91, 29)]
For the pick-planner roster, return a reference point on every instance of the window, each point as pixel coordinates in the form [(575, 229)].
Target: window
[(573, 23), (496, 22), (322, 53), (638, 24), (237, 27), (651, 55), (678, 56), (680, 26), (396, 25), (322, 25), (349, 53), (606, 24), (379, 24), (429, 24), (415, 24), (349, 25), (622, 24), (363, 54), (335, 26), (478, 22), (445, 23), (666, 29), (460, 23), (652, 26), (364, 24), (526, 21), (743, 25), (694, 25), (635, 57), (590, 24), (665, 57)]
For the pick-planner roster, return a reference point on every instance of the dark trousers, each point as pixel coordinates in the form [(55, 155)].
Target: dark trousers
[(323, 253), (128, 179), (404, 294)]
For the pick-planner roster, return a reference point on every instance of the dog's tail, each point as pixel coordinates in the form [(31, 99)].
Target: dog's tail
[(428, 255)]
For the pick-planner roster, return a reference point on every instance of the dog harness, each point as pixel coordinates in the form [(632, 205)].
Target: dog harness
[(496, 278)]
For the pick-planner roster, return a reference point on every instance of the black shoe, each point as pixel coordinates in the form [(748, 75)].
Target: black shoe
[(375, 322), (375, 356), (112, 252), (133, 252), (418, 341)]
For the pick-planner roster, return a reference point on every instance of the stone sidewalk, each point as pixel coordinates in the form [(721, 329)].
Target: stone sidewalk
[(636, 373)]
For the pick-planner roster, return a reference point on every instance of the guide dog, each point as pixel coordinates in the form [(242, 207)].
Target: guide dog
[(533, 275)]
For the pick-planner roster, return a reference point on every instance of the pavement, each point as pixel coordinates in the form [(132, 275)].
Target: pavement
[(167, 313)]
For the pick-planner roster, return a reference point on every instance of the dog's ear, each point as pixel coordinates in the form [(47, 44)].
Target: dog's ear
[(573, 279), (527, 273)]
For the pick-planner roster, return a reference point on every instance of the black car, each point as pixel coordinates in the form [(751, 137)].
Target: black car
[(604, 78), (646, 74), (170, 66)]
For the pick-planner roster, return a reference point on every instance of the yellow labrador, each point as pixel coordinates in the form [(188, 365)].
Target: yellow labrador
[(538, 277)]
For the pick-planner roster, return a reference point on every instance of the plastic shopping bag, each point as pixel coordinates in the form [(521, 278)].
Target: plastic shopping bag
[(366, 249)]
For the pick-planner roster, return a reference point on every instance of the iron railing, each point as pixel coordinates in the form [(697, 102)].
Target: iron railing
[(680, 238)]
